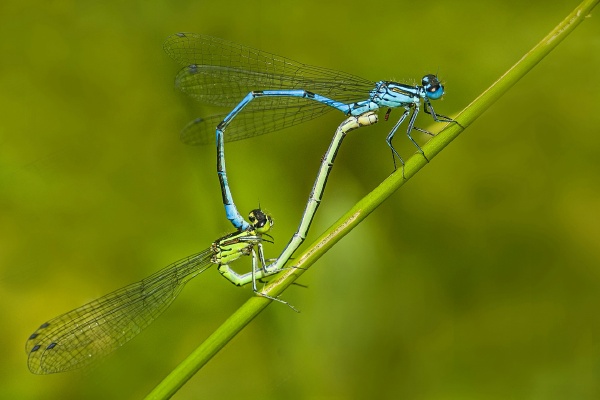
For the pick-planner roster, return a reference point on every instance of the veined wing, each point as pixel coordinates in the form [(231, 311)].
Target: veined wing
[(220, 72), (84, 335), (253, 121)]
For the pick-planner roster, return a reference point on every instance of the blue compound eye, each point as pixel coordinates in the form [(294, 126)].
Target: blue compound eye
[(433, 87)]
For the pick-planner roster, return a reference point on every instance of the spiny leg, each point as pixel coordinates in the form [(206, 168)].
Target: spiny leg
[(411, 125), (256, 271), (428, 109), (390, 137)]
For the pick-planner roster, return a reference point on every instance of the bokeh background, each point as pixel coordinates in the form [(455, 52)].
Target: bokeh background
[(479, 279)]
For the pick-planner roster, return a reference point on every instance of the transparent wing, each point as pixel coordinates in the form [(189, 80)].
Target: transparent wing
[(221, 73), (84, 335), (291, 111)]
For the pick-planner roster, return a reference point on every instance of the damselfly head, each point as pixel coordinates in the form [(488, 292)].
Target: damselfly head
[(260, 221), (433, 87)]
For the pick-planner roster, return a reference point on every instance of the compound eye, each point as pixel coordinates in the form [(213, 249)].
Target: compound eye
[(259, 220), (430, 80), (256, 218), (433, 87)]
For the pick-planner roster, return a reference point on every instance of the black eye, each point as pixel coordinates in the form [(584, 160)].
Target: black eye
[(430, 80), (433, 88), (257, 218)]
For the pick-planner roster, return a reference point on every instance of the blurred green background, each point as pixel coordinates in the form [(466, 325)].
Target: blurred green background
[(478, 280)]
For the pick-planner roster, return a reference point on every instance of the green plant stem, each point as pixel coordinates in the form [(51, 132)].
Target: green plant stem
[(237, 321)]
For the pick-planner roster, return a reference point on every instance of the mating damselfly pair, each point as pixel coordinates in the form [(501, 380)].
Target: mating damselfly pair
[(267, 92)]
